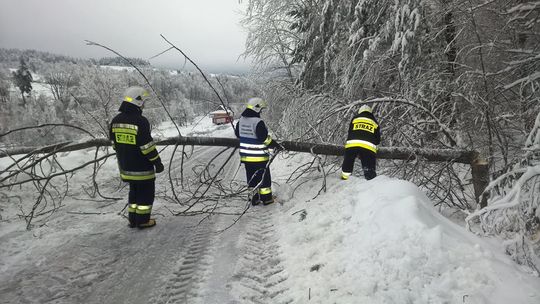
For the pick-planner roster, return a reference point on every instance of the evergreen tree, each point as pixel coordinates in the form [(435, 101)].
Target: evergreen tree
[(22, 79), (4, 88)]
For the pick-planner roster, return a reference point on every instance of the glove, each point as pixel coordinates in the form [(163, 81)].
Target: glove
[(159, 167)]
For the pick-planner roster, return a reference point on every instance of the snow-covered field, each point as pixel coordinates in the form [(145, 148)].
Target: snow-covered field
[(378, 241), (118, 68), (39, 86)]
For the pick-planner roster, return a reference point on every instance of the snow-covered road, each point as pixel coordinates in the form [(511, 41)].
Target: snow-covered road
[(108, 264), (82, 257), (181, 260)]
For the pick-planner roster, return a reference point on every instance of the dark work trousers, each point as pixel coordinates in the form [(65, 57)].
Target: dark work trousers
[(367, 157), (254, 173), (141, 199)]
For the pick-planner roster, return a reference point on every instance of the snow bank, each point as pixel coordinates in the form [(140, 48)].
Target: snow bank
[(382, 242)]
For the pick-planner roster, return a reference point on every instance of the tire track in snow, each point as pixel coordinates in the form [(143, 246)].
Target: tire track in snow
[(116, 265), (261, 277), (182, 285)]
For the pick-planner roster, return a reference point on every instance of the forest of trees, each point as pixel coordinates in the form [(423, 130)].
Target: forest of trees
[(440, 74)]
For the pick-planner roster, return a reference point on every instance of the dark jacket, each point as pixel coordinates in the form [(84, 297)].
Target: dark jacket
[(364, 132), (135, 149)]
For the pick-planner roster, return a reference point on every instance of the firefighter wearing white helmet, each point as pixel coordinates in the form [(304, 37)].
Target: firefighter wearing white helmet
[(254, 154), (138, 159), (362, 140), (136, 95), (256, 104)]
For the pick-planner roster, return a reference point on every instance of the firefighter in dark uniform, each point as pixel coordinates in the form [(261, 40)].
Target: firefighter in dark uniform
[(362, 140), (138, 159), (254, 144)]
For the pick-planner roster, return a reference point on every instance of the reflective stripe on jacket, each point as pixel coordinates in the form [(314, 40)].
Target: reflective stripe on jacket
[(357, 143)]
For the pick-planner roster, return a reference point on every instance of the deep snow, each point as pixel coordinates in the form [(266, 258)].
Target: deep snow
[(381, 241), (378, 241)]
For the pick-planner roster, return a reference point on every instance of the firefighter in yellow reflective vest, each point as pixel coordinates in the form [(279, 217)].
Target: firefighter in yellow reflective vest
[(362, 140), (254, 144), (138, 159)]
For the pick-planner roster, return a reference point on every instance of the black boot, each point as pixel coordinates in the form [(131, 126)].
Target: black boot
[(253, 197), (267, 199), (255, 200), (150, 223), (268, 202), (132, 217)]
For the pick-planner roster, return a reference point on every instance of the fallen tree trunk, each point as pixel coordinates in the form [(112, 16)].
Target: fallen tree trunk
[(398, 153), (467, 157)]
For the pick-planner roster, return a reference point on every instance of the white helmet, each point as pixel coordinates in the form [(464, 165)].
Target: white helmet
[(136, 95), (256, 104), (364, 108)]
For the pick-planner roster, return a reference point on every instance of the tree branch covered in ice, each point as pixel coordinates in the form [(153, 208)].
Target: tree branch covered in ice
[(514, 210)]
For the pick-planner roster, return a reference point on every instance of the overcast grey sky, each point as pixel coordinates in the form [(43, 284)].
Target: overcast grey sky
[(206, 30)]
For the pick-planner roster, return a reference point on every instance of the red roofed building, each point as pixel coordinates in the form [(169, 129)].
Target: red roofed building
[(221, 116)]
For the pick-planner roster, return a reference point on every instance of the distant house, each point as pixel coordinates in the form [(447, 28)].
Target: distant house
[(221, 116)]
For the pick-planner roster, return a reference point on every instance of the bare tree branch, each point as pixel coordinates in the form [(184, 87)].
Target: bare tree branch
[(47, 125)]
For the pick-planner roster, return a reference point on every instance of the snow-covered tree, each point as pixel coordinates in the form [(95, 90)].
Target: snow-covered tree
[(4, 88), (22, 79), (514, 210), (274, 33)]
